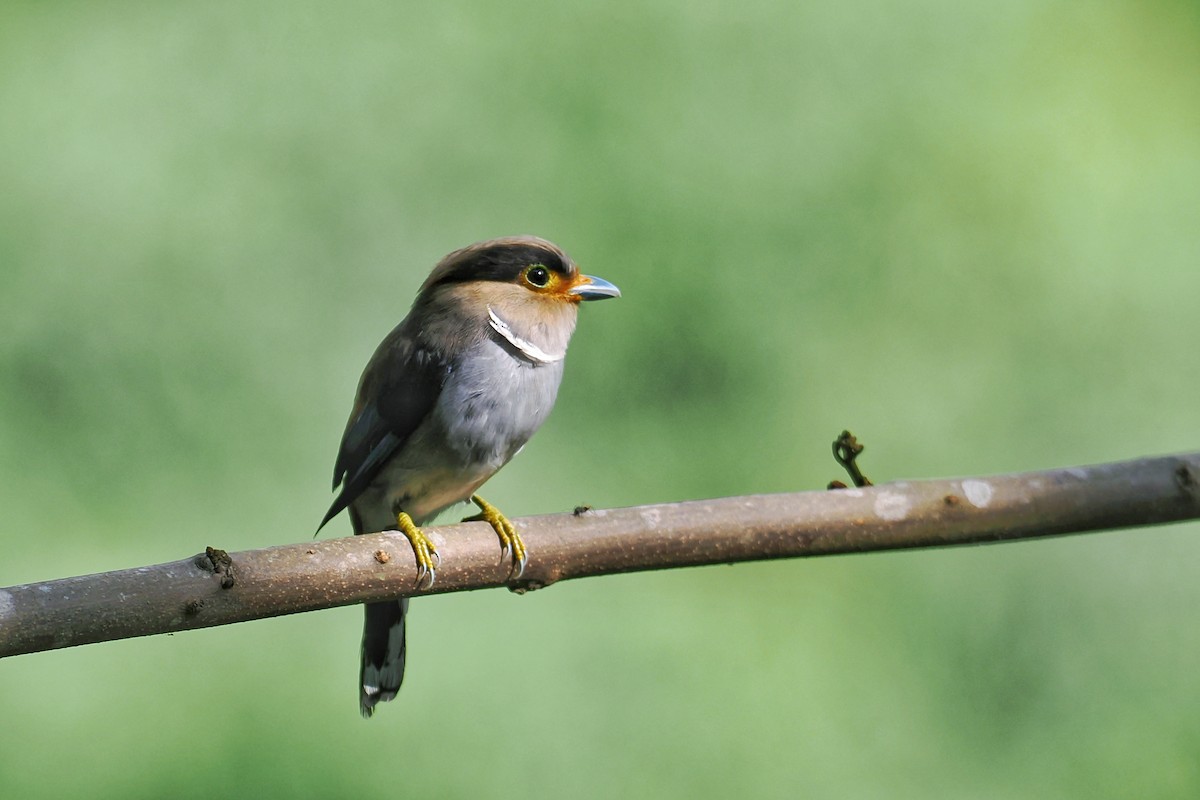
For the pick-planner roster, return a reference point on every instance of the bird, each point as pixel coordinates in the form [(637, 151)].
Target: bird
[(448, 398)]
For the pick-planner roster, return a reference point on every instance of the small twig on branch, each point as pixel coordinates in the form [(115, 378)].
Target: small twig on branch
[(200, 591), (846, 450)]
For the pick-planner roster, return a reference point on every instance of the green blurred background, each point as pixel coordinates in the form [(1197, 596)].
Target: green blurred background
[(968, 232)]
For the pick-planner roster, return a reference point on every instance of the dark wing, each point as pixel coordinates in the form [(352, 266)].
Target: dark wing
[(398, 390)]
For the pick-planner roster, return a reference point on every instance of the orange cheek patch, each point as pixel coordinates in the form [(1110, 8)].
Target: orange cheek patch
[(564, 286), (557, 287)]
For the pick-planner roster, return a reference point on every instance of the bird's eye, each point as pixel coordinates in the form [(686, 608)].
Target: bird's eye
[(537, 275)]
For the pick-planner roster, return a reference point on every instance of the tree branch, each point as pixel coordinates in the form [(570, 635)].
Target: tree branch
[(216, 588)]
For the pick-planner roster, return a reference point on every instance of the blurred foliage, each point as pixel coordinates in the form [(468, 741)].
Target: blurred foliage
[(965, 231)]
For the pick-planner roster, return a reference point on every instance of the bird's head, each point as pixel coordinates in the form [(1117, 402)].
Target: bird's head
[(522, 288)]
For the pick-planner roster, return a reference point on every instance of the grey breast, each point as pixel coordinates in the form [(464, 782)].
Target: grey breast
[(494, 401)]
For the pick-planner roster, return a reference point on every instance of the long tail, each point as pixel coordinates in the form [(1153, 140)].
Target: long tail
[(382, 653), (382, 669)]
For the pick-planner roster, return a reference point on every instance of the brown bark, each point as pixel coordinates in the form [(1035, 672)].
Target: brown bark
[(215, 588)]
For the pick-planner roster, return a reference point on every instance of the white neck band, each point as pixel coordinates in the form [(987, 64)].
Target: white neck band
[(526, 347)]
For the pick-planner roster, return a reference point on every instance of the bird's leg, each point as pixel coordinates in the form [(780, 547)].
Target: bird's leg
[(510, 540), (423, 548)]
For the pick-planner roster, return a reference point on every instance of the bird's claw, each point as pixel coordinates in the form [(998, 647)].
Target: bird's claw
[(511, 545), (424, 550)]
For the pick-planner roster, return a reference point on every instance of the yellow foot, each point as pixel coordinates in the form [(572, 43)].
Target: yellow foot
[(425, 551), (510, 540)]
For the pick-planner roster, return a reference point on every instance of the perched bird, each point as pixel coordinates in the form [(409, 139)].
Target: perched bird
[(452, 393)]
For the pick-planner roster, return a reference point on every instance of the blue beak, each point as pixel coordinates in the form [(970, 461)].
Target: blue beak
[(594, 288)]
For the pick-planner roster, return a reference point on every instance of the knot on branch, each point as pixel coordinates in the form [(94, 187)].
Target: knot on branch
[(1186, 480), (219, 563)]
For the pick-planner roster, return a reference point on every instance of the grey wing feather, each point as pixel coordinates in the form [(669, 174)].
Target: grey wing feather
[(361, 430), (400, 388)]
